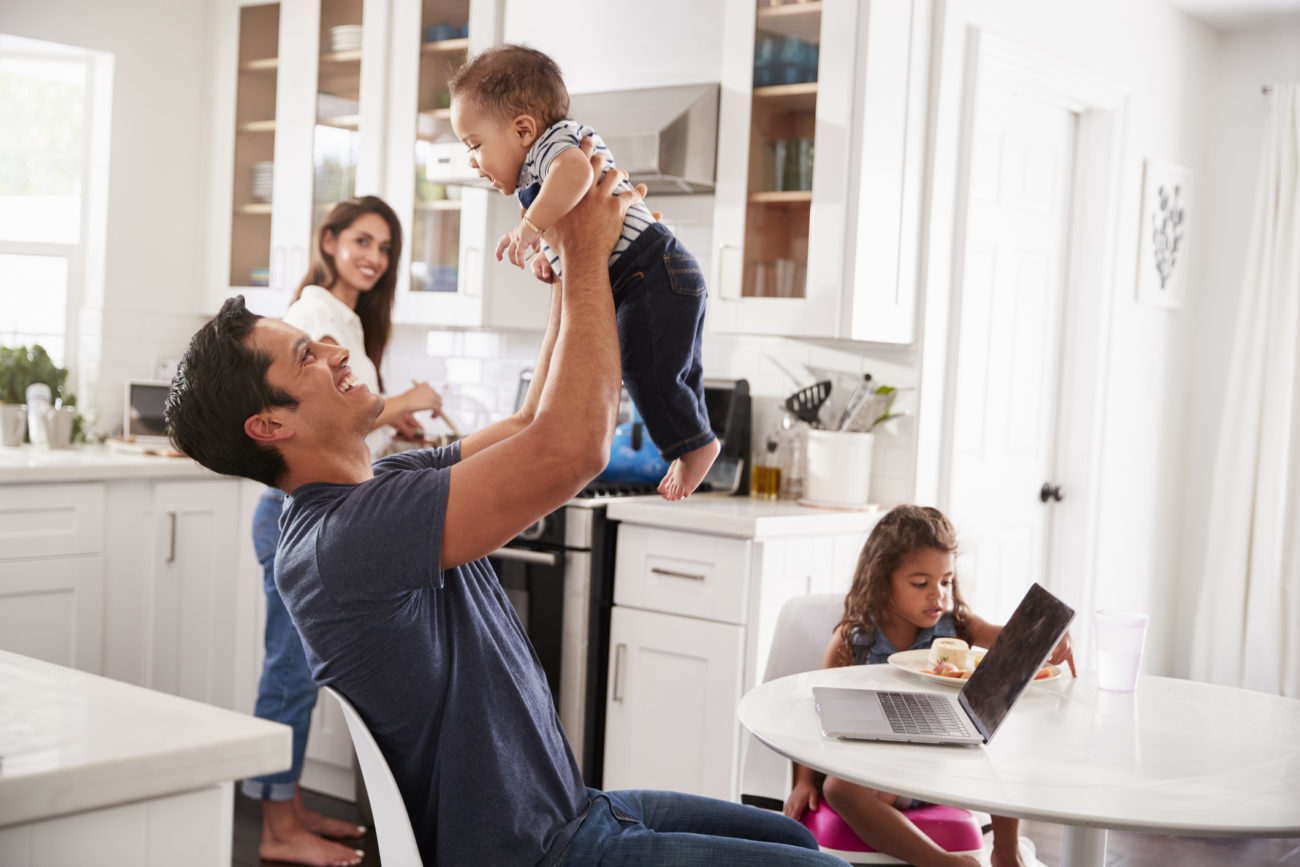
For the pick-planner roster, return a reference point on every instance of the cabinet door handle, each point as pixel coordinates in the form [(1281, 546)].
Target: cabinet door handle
[(618, 671), (171, 545), (523, 555), (655, 570)]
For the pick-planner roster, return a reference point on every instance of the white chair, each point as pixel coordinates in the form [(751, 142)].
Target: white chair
[(803, 629), (397, 846)]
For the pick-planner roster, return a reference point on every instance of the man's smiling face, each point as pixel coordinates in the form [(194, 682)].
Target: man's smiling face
[(331, 400)]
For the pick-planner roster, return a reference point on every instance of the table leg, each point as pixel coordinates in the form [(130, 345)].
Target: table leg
[(1084, 847)]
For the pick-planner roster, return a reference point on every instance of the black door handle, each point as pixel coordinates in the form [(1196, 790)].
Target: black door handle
[(1050, 492)]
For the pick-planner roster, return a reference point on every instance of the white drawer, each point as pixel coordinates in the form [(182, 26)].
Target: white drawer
[(51, 520), (682, 573)]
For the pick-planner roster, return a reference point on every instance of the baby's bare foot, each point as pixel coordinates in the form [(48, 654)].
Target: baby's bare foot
[(304, 847), (685, 474)]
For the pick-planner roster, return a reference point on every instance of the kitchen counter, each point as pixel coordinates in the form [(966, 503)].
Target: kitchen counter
[(85, 761), (72, 741), (28, 465), (742, 517)]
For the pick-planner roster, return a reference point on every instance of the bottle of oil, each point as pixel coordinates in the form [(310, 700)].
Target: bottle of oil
[(765, 481)]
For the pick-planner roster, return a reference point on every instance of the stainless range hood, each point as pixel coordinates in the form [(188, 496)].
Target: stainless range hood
[(663, 137)]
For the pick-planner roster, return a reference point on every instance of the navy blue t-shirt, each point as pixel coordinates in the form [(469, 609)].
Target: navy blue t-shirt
[(436, 663)]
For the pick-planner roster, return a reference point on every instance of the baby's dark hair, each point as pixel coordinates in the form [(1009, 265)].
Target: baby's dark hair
[(510, 80), (903, 530)]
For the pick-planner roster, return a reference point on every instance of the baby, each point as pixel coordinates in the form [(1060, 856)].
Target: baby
[(509, 106)]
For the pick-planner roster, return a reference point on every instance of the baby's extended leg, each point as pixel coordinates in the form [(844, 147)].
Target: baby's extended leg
[(873, 817), (1006, 842), (685, 474)]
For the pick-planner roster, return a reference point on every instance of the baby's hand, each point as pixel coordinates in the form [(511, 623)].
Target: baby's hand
[(520, 239), (542, 269)]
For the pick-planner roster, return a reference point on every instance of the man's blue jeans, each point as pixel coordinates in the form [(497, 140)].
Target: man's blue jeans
[(286, 693), (669, 829)]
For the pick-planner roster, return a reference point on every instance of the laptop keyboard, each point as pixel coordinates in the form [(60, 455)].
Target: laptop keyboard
[(918, 713)]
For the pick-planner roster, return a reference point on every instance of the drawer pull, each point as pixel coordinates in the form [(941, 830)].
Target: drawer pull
[(171, 546), (618, 671), (671, 574)]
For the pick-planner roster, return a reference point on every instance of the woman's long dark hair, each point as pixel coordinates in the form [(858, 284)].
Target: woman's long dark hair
[(904, 530), (375, 308)]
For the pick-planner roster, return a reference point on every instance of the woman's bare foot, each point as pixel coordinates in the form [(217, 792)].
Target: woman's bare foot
[(328, 826), (286, 838), (685, 474)]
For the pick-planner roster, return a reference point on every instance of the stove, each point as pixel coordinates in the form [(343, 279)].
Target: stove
[(559, 575)]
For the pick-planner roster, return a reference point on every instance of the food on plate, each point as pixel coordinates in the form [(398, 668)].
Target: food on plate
[(950, 650)]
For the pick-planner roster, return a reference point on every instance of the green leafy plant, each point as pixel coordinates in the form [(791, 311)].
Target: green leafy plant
[(21, 366)]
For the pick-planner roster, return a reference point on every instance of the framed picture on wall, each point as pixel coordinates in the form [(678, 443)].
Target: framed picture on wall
[(1162, 249)]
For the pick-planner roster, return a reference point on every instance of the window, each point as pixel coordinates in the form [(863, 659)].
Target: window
[(47, 96)]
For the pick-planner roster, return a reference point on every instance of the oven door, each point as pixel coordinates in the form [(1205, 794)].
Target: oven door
[(533, 579)]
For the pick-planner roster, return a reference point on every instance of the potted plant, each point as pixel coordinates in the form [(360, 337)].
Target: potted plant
[(19, 368)]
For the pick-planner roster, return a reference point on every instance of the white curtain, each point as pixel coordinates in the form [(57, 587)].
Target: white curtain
[(1250, 591)]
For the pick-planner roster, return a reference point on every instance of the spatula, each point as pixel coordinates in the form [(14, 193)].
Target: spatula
[(806, 402)]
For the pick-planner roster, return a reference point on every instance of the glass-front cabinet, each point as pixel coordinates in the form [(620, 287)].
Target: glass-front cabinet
[(823, 101), (448, 273), (300, 129)]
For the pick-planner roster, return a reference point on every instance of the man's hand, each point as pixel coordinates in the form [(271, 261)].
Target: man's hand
[(596, 222)]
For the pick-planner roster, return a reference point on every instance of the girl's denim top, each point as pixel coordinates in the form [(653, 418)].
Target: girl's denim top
[(866, 653)]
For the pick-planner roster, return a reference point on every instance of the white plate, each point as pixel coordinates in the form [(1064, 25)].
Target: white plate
[(916, 660)]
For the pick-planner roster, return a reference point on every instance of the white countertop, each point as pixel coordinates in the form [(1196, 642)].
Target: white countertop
[(71, 741), (29, 465), (741, 516)]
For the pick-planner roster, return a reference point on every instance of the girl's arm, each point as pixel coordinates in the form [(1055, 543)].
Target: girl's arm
[(983, 633), (803, 794), (567, 181)]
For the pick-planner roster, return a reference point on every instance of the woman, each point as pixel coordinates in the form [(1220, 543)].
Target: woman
[(346, 298)]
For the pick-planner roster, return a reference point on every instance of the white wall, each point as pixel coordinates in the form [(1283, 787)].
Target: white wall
[(151, 266), (1237, 116)]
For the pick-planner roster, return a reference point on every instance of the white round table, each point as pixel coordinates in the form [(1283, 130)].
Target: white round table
[(1173, 757)]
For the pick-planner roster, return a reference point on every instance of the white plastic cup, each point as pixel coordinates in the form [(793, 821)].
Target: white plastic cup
[(839, 467), (1120, 636)]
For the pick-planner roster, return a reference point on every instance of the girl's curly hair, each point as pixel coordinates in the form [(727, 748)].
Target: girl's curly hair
[(903, 530)]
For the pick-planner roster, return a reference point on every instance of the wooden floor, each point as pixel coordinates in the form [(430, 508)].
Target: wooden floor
[(1124, 849)]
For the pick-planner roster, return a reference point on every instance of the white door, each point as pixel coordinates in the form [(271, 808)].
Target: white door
[(671, 712), (1010, 346)]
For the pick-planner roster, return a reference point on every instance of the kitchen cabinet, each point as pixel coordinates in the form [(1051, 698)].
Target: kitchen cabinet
[(692, 623), (297, 99), (52, 572), (314, 101), (817, 213)]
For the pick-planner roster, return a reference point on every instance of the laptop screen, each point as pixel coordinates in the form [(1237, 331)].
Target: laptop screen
[(1020, 650)]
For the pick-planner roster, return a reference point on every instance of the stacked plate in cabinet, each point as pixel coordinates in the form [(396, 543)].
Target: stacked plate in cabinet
[(263, 178), (345, 37)]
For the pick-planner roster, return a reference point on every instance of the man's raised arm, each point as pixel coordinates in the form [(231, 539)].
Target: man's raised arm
[(500, 490)]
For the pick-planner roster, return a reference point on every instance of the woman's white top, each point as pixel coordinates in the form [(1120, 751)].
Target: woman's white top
[(321, 315)]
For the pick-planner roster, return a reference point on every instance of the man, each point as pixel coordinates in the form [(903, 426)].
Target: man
[(382, 571)]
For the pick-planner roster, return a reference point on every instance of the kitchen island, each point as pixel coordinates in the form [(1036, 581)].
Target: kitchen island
[(94, 771)]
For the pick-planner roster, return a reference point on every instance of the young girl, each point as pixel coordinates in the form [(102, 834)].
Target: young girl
[(904, 596), (345, 298), (510, 107)]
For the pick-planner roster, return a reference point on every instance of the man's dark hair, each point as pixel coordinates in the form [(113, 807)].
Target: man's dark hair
[(219, 383), (510, 80)]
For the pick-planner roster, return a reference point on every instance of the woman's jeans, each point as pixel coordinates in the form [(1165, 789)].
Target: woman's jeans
[(669, 829), (286, 693)]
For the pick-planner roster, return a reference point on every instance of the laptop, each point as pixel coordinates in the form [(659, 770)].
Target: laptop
[(975, 713)]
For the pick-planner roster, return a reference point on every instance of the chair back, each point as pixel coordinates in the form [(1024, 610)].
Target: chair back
[(397, 846), (803, 629)]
